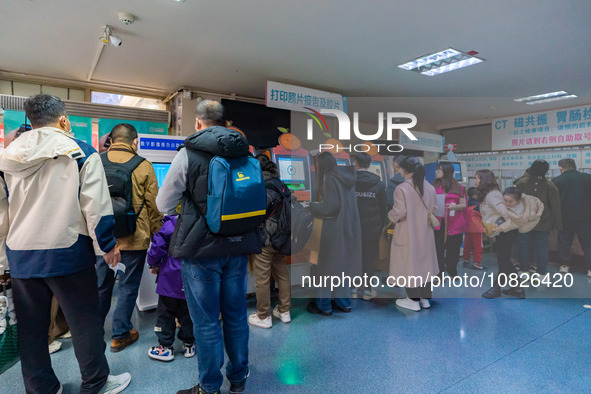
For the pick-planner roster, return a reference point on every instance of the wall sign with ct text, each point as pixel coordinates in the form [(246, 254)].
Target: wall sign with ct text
[(561, 127)]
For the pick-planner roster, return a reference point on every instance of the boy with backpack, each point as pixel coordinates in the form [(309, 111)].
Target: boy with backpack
[(133, 188), (276, 233)]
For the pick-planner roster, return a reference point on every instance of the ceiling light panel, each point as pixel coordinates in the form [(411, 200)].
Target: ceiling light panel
[(545, 98), (441, 62)]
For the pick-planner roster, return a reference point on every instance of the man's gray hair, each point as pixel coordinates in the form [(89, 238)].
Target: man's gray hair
[(210, 112)]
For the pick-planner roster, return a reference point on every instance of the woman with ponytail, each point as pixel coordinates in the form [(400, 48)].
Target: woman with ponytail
[(413, 252)]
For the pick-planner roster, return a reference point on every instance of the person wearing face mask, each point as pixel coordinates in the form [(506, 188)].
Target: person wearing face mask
[(55, 216), (133, 246)]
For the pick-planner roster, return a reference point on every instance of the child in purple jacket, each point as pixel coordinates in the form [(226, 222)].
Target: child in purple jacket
[(171, 301)]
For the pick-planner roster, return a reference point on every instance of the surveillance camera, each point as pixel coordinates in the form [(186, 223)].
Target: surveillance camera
[(115, 41)]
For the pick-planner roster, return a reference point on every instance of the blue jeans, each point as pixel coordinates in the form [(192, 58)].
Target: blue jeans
[(213, 285), (540, 239), (129, 284), (342, 297)]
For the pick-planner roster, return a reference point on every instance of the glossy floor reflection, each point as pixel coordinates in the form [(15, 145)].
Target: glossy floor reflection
[(458, 346)]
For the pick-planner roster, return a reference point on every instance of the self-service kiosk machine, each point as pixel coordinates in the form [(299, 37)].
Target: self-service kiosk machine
[(160, 150), (294, 166)]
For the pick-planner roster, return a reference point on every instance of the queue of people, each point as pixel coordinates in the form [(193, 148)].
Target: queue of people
[(101, 217)]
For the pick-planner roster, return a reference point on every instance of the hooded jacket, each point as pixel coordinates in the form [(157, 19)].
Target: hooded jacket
[(371, 203), (526, 220), (187, 181), (170, 281), (340, 245), (55, 207), (547, 192), (393, 182), (272, 184)]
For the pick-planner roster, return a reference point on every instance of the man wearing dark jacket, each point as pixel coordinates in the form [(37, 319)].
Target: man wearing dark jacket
[(536, 184), (574, 188), (371, 203), (213, 266), (396, 180)]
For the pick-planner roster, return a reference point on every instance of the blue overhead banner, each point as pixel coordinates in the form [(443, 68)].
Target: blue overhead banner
[(159, 143)]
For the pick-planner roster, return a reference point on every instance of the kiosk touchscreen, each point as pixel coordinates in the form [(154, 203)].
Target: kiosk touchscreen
[(378, 169), (161, 170)]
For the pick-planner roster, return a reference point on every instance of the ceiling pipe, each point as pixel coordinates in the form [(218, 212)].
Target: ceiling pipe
[(96, 60)]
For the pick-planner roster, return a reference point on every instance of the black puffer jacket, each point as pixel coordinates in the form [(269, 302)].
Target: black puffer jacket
[(340, 248), (392, 183), (192, 238), (274, 201), (371, 202)]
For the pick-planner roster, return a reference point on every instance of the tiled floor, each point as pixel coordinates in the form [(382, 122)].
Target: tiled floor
[(459, 345)]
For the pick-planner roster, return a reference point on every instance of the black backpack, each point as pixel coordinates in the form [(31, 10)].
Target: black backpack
[(278, 222), (121, 190), (301, 226)]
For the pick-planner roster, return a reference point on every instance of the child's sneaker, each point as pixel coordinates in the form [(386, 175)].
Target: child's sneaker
[(533, 269), (285, 317), (161, 353), (477, 266), (255, 320), (189, 349)]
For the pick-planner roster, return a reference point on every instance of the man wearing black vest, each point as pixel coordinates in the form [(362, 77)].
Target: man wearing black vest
[(134, 246), (213, 267), (371, 202)]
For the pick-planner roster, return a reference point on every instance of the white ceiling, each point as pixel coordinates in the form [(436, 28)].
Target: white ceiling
[(350, 47)]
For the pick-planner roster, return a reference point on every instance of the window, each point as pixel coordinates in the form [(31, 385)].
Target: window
[(127, 101)]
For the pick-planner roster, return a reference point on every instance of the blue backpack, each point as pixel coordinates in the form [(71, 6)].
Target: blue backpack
[(236, 197)]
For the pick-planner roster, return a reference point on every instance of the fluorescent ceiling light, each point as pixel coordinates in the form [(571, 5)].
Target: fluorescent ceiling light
[(441, 62), (545, 98)]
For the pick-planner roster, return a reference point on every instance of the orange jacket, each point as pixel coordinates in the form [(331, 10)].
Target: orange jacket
[(475, 224)]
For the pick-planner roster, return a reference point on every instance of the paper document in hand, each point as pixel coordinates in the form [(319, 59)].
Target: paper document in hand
[(118, 267), (440, 205)]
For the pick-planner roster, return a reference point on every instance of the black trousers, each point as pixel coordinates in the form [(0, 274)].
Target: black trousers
[(565, 240), (370, 250), (416, 293), (77, 295), (448, 252), (504, 247), (168, 309)]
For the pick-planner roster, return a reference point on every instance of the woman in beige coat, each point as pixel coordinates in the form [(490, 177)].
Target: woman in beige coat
[(413, 258)]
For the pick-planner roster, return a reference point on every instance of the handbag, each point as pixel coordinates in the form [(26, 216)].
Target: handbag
[(432, 220), (8, 329)]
